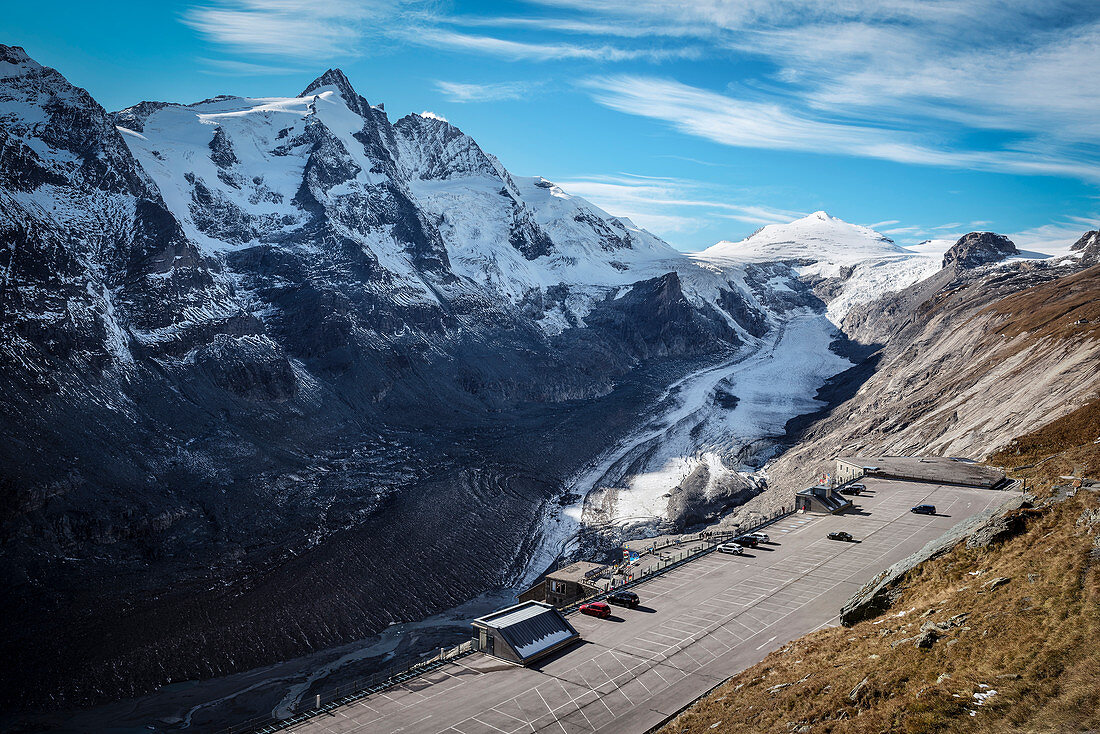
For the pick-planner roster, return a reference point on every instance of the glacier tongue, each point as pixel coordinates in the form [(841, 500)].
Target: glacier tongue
[(297, 331)]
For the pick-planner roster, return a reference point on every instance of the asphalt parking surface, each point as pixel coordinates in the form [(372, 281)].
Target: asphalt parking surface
[(697, 625)]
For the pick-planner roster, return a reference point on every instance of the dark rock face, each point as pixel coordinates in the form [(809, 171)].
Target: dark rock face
[(655, 320), (1089, 247), (199, 444), (978, 248)]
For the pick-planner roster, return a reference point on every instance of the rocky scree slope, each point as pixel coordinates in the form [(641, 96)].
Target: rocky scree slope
[(263, 362), (956, 364)]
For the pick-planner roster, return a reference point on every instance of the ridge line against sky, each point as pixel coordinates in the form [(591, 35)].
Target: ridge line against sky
[(700, 121)]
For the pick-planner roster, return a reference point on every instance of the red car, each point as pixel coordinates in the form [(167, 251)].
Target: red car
[(596, 609)]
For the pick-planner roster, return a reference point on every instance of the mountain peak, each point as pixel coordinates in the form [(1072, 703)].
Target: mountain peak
[(333, 78), (1088, 239), (19, 59), (979, 248), (1089, 247), (13, 54), (818, 237)]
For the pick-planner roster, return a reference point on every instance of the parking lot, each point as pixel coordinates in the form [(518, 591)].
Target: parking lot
[(697, 625)]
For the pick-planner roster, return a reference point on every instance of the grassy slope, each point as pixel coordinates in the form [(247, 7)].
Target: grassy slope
[(1033, 640)]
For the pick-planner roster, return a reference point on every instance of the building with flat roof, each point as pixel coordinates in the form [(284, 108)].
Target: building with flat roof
[(937, 469), (566, 585), (821, 498), (523, 633)]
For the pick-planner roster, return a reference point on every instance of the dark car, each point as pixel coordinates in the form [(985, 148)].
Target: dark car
[(841, 535), (924, 510), (852, 490), (747, 541), (761, 537), (623, 599), (596, 609)]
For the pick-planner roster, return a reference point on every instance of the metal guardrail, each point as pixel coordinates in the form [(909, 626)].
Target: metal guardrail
[(711, 541), (333, 698), (350, 692)]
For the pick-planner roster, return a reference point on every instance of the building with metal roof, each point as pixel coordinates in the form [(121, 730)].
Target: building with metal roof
[(524, 633)]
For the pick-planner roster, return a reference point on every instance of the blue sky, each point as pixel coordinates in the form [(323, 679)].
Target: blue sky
[(702, 121)]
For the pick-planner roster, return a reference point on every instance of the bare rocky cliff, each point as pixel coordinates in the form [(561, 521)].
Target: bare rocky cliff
[(955, 365), (269, 380)]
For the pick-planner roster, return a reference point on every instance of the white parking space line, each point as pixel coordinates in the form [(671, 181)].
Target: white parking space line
[(745, 600)]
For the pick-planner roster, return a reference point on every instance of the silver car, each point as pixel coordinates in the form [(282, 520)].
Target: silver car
[(762, 537), (731, 548)]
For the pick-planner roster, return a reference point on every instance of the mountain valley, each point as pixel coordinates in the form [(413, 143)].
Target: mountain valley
[(279, 374)]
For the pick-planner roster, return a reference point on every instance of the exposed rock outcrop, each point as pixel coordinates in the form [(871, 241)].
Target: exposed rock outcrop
[(878, 594), (1089, 247), (978, 248)]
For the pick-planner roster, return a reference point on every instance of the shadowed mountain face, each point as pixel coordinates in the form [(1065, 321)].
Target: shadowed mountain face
[(275, 373), (263, 363)]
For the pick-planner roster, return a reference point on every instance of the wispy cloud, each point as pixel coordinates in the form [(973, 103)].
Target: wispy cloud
[(232, 67), (919, 75), (749, 123), (1055, 236), (670, 206), (491, 92), (538, 51), (301, 29)]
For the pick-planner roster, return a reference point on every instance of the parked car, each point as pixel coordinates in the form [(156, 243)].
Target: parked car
[(762, 537), (596, 609), (851, 489), (747, 541), (841, 535), (858, 486), (623, 599), (924, 510), (731, 548)]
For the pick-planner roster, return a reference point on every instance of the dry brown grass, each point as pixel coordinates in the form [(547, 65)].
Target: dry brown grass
[(1051, 309), (1064, 447), (1035, 640)]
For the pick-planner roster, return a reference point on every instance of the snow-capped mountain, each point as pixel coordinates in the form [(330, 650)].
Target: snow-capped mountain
[(247, 343), (418, 197), (817, 237), (93, 258), (243, 338), (850, 264)]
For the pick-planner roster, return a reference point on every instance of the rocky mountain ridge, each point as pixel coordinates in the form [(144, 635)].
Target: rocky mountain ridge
[(979, 248), (264, 361), (246, 343), (957, 364)]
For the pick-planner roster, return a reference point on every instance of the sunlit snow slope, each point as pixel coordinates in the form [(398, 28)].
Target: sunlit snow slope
[(864, 263)]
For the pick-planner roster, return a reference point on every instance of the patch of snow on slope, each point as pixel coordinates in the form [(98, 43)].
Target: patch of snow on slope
[(817, 237), (869, 263)]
